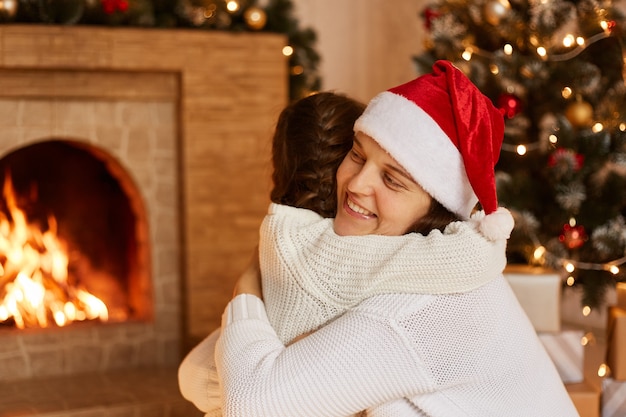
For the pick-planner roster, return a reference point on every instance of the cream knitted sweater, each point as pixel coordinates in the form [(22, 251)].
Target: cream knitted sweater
[(311, 275), (473, 354)]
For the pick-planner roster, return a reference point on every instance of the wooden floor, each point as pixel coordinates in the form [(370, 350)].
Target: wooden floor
[(134, 393)]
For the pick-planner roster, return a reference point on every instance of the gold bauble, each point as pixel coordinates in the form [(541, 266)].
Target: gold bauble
[(255, 18), (496, 10), (579, 113), (8, 10)]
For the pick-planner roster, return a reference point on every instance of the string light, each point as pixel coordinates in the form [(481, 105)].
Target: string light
[(603, 370), (541, 51), (232, 6), (581, 43)]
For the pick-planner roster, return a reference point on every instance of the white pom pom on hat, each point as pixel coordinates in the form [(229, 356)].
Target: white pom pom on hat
[(448, 136)]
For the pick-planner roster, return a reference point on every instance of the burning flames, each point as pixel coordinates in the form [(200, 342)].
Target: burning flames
[(34, 286)]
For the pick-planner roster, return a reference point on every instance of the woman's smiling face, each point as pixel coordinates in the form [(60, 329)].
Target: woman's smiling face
[(375, 195)]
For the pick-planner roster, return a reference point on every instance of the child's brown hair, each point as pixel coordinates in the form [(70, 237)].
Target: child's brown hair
[(312, 137)]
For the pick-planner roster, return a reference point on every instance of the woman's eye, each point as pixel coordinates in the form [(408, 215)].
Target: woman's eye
[(391, 181), (356, 157)]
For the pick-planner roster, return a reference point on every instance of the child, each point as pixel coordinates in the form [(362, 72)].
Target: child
[(301, 293)]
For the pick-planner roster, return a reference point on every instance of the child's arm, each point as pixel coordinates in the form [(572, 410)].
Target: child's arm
[(354, 267), (197, 375)]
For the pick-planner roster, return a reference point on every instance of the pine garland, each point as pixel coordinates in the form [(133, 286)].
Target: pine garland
[(274, 16)]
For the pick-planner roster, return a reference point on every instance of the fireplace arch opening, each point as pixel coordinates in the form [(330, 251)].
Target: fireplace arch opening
[(81, 196)]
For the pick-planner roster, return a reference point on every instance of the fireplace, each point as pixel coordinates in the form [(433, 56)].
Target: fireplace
[(150, 148), (72, 247)]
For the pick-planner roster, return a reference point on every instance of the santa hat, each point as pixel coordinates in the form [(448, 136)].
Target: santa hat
[(447, 135)]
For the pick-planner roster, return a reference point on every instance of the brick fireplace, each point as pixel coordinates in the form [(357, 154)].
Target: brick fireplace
[(182, 119)]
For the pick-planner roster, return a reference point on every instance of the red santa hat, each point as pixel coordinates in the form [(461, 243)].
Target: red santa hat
[(447, 135)]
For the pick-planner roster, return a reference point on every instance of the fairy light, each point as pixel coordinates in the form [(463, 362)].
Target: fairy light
[(597, 127), (569, 267), (622, 127), (467, 54), (539, 253), (494, 69), (568, 40), (570, 281), (588, 339), (521, 150), (566, 92), (586, 311), (541, 51), (232, 6), (287, 50), (603, 370), (581, 45), (553, 139), (614, 269)]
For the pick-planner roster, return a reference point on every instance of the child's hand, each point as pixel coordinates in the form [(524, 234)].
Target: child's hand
[(250, 281)]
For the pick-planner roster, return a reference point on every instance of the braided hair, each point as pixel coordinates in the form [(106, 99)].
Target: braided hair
[(312, 137)]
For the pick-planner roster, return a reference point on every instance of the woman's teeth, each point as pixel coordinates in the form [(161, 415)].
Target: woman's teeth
[(358, 209)]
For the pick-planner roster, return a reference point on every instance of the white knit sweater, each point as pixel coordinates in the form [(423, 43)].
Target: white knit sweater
[(311, 275), (453, 352), (473, 354)]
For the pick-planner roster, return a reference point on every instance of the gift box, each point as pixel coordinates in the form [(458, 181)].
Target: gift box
[(620, 289), (613, 398), (567, 352), (538, 290), (616, 343), (586, 399)]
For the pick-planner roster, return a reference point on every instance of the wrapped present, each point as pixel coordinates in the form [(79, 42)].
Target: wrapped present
[(616, 343), (613, 398), (586, 399), (620, 289), (566, 350), (538, 290)]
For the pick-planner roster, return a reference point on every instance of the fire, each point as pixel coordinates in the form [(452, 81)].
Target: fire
[(34, 287)]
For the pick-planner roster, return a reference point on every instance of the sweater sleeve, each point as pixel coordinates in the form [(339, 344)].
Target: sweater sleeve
[(348, 269), (329, 373), (197, 376)]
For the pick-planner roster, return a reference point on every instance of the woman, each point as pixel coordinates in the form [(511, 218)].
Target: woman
[(301, 293), (433, 141)]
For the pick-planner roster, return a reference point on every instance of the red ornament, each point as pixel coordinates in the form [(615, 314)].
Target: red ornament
[(566, 157), (112, 6), (610, 25), (573, 237), (509, 105), (429, 15)]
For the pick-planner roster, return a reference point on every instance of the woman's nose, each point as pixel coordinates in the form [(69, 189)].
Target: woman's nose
[(362, 182)]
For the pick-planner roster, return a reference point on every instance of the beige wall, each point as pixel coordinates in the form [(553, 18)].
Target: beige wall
[(366, 45)]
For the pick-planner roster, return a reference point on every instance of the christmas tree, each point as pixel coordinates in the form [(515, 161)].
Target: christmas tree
[(555, 70)]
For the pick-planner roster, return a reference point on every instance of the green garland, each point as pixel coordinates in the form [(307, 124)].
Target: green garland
[(274, 16)]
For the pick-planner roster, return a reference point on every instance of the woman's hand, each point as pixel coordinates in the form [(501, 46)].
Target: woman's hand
[(250, 281)]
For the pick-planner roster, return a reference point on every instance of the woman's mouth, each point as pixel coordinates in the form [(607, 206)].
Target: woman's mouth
[(358, 209)]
